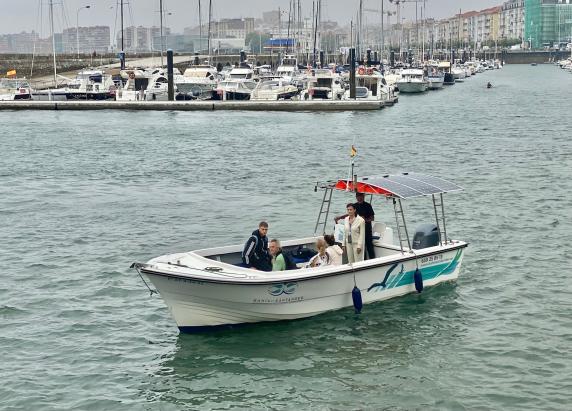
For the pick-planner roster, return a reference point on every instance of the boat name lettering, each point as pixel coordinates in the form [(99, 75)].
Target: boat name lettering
[(184, 280), (277, 300), (432, 259)]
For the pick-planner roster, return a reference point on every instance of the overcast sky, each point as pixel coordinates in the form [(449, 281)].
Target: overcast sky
[(20, 15)]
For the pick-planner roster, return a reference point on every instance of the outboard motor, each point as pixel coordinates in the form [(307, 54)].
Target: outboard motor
[(426, 235)]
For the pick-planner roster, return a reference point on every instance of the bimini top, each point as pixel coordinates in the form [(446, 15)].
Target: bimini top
[(406, 185)]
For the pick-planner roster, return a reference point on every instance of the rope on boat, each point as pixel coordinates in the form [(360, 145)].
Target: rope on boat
[(137, 268)]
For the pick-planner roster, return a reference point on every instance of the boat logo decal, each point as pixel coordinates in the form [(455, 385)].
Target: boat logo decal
[(282, 288), (380, 286)]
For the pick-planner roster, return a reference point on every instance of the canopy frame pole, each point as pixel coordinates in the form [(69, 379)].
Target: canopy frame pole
[(440, 218), (401, 225), (443, 215)]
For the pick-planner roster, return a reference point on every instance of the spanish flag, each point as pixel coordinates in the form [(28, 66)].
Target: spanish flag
[(11, 73), (353, 151)]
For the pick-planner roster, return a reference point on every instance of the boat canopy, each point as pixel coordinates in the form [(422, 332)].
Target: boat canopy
[(403, 186)]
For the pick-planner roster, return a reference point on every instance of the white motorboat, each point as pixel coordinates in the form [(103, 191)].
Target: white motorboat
[(458, 74), (144, 85), (234, 89), (412, 81), (323, 84), (198, 82), (274, 88), (435, 78), (211, 287), (288, 68), (88, 85), (14, 89), (370, 85)]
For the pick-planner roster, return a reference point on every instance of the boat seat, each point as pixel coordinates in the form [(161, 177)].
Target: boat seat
[(377, 230)]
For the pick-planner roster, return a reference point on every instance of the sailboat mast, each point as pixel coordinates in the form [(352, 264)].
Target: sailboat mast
[(200, 28), (382, 36), (161, 28), (53, 42), (209, 33), (122, 31)]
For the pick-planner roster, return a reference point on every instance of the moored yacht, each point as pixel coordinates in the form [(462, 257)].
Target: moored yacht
[(198, 82), (14, 89), (274, 88), (412, 81)]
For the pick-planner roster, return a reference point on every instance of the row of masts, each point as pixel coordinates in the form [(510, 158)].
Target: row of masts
[(296, 29)]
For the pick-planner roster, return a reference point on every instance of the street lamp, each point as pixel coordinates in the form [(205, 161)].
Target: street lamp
[(77, 27)]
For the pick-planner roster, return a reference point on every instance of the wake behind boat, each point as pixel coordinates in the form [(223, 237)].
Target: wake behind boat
[(209, 287)]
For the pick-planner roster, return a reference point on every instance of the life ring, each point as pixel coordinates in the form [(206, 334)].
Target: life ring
[(132, 75), (361, 71), (370, 71)]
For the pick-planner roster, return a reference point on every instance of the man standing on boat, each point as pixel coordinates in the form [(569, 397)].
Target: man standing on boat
[(255, 254), (365, 211)]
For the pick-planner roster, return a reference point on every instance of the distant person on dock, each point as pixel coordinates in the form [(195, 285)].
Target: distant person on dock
[(255, 254), (365, 210), (278, 261), (354, 235)]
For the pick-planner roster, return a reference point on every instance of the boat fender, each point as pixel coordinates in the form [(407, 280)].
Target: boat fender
[(418, 278), (356, 298)]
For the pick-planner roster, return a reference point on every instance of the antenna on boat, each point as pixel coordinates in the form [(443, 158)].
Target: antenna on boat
[(352, 177)]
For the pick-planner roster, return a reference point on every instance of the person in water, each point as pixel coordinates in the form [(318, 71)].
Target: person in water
[(278, 261), (255, 254)]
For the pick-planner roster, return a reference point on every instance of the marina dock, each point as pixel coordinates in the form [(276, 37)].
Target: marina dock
[(314, 105)]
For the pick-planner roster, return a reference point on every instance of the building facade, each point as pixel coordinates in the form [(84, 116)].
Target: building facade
[(512, 20), (548, 23), (91, 39), (141, 39)]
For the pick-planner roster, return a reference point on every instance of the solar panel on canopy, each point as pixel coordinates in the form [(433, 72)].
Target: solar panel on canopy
[(396, 188), (443, 185), (407, 185)]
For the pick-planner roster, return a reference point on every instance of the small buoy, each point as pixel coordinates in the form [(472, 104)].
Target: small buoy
[(356, 297), (418, 278)]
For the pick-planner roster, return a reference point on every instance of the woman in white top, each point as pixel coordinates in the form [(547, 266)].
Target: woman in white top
[(334, 251), (354, 235)]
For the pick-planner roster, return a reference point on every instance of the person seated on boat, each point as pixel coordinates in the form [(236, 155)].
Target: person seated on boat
[(322, 258), (334, 251), (255, 254), (364, 210), (354, 235), (278, 261)]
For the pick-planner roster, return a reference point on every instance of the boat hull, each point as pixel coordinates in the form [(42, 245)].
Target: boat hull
[(198, 305), (411, 87), (435, 83)]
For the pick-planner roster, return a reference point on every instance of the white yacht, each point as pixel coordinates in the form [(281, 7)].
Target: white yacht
[(88, 85), (274, 88), (238, 89), (14, 89), (435, 78), (370, 85), (323, 84), (198, 82), (144, 85), (288, 68), (412, 81)]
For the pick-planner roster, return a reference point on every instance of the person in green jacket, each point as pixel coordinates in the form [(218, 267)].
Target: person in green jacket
[(278, 262)]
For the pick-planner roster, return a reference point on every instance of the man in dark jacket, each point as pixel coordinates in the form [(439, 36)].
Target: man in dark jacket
[(255, 253)]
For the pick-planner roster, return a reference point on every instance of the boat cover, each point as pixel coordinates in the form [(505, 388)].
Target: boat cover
[(406, 185)]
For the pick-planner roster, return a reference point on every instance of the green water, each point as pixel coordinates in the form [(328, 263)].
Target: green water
[(85, 194)]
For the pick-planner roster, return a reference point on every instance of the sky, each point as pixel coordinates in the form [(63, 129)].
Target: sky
[(25, 15)]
